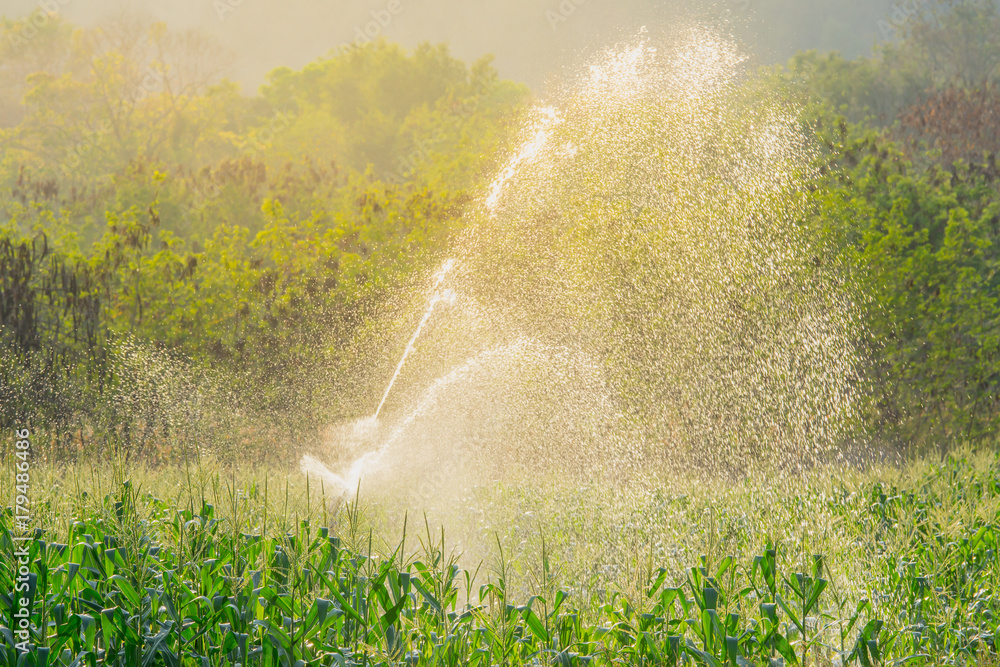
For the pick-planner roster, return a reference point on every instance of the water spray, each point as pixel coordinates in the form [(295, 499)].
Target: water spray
[(662, 173), (363, 427), (448, 296)]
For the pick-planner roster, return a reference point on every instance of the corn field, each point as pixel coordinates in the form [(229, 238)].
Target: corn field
[(134, 580)]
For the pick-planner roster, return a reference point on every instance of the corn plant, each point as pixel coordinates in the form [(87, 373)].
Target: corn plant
[(142, 581)]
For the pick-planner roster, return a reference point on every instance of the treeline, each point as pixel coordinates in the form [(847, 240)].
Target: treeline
[(909, 200), (145, 198)]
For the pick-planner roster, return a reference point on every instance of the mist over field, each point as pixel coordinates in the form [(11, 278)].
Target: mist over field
[(531, 39)]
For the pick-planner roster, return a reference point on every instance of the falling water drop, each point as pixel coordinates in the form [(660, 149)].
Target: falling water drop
[(448, 296)]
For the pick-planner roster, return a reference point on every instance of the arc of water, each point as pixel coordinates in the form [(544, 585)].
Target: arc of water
[(348, 481), (448, 295)]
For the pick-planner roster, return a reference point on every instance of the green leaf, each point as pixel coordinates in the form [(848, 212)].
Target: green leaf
[(535, 625), (127, 589)]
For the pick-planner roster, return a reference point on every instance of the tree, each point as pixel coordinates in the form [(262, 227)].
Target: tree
[(939, 45), (953, 124), (922, 245), (94, 116)]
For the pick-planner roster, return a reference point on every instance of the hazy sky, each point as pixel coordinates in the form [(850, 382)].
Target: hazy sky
[(532, 39)]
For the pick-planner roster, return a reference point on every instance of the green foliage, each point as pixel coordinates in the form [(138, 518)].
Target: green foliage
[(54, 316), (277, 223), (130, 98), (259, 305), (374, 105), (915, 224), (937, 45), (921, 246), (90, 115)]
